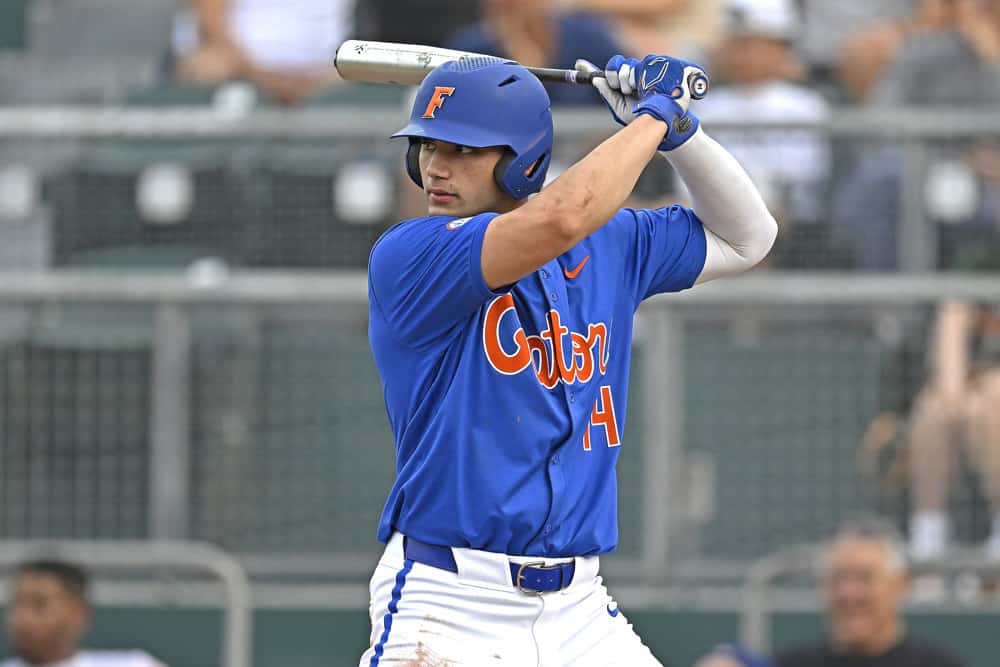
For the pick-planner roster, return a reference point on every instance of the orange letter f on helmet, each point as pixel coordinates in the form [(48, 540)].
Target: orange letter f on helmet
[(437, 99)]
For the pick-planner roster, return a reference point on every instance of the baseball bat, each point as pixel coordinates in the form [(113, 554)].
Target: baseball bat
[(408, 64)]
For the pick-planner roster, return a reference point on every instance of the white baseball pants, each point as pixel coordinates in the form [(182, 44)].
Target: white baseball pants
[(423, 616)]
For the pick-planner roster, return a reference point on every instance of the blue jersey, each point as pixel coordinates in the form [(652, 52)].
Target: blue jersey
[(508, 406)]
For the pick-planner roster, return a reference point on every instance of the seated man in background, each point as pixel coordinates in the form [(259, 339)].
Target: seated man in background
[(846, 44), (865, 582), (535, 34), (284, 48), (47, 617), (757, 77)]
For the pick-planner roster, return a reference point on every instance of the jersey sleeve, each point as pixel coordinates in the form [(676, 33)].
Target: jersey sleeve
[(425, 276), (664, 249)]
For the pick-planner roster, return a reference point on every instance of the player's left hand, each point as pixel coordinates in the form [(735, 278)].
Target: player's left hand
[(680, 80)]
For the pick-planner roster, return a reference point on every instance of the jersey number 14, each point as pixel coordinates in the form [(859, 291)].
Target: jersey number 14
[(603, 414)]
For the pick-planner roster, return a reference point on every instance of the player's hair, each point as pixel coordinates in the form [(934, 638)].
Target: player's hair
[(72, 577), (875, 528)]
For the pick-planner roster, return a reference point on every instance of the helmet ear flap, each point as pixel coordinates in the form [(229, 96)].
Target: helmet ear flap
[(500, 171), (413, 162), (519, 178)]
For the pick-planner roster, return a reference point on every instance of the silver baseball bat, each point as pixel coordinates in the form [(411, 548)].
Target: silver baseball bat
[(408, 64)]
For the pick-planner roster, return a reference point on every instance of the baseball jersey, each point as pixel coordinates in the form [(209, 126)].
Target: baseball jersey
[(97, 659), (507, 406)]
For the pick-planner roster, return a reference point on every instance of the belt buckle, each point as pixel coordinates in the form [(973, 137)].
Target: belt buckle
[(520, 578)]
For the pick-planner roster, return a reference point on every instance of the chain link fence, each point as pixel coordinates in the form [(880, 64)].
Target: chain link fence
[(159, 378), (251, 416)]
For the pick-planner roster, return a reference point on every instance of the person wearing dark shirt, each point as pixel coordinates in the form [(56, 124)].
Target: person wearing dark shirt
[(865, 582), (535, 35)]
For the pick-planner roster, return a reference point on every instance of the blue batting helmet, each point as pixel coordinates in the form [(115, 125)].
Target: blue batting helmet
[(480, 102)]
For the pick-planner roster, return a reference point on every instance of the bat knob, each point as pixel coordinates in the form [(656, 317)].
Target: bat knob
[(698, 85)]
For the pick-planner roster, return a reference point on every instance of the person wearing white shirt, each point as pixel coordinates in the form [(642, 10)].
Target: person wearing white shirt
[(47, 616), (284, 47), (758, 79)]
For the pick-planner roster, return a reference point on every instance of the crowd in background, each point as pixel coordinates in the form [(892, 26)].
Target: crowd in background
[(777, 61), (771, 61)]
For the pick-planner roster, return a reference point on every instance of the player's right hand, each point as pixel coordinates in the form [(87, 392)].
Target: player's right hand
[(618, 101)]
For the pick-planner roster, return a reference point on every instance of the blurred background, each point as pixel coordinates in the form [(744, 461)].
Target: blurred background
[(188, 196)]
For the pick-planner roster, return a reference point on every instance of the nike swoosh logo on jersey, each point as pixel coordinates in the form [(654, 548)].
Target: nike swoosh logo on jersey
[(579, 267)]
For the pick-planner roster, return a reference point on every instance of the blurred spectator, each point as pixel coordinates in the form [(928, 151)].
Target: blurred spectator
[(865, 582), (686, 28), (954, 58), (960, 197), (429, 22), (285, 48), (953, 62), (48, 616), (891, 61), (853, 38), (958, 410), (534, 33), (755, 76)]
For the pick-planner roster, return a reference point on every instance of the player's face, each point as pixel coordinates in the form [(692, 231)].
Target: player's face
[(44, 620), (458, 180), (864, 588)]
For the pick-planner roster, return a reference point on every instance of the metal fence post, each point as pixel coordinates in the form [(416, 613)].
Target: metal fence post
[(917, 235), (755, 620), (170, 424), (663, 396)]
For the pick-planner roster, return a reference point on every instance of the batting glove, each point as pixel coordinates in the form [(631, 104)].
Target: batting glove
[(659, 86), (681, 125), (618, 102), (680, 80)]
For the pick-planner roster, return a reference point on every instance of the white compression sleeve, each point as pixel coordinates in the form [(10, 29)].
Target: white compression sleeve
[(739, 230)]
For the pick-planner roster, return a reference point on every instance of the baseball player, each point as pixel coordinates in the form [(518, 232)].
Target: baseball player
[(501, 326)]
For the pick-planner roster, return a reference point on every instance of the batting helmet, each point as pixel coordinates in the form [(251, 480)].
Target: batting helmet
[(480, 102)]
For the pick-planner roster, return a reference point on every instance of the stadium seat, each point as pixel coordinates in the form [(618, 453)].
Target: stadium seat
[(297, 223), (13, 24), (361, 94), (170, 94), (133, 30), (162, 205)]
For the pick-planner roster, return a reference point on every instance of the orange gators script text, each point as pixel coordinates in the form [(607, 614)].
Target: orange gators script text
[(546, 351)]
